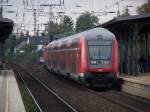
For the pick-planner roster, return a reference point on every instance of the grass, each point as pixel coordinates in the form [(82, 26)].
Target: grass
[(30, 106)]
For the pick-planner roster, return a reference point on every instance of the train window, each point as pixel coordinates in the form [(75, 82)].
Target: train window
[(99, 42), (100, 50), (75, 45), (73, 68), (94, 52), (63, 66)]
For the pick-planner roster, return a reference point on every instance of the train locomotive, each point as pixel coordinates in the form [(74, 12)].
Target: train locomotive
[(89, 57)]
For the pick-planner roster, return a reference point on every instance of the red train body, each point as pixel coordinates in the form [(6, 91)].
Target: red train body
[(90, 57)]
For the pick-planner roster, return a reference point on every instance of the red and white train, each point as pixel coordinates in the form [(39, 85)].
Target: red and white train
[(90, 57)]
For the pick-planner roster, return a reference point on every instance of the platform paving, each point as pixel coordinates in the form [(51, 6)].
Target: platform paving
[(137, 85), (10, 97)]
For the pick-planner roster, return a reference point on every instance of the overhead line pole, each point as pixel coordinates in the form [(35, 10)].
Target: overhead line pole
[(34, 14), (50, 9), (61, 3), (1, 7)]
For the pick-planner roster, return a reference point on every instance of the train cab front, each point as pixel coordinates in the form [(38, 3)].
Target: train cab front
[(102, 58)]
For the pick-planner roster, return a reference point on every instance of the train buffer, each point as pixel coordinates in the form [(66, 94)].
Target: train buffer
[(10, 97), (137, 85)]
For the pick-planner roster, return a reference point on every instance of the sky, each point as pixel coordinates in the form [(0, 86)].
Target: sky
[(70, 8)]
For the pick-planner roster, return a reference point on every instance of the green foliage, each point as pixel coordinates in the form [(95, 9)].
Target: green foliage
[(29, 48), (27, 33), (33, 57), (30, 54), (43, 34), (65, 26), (11, 43), (53, 28), (21, 35), (145, 8), (30, 106), (126, 12), (86, 21)]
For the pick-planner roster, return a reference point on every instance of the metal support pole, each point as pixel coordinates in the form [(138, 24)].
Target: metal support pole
[(24, 22), (118, 9), (50, 13), (38, 30), (134, 51), (34, 14), (1, 12), (2, 55)]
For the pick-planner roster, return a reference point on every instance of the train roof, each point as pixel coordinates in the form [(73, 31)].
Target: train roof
[(93, 33), (88, 34)]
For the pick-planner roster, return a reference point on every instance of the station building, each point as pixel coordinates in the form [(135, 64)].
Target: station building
[(133, 35)]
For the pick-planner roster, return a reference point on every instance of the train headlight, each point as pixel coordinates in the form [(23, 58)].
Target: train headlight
[(93, 62), (106, 62)]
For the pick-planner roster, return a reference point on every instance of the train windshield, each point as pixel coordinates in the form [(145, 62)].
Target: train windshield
[(100, 51)]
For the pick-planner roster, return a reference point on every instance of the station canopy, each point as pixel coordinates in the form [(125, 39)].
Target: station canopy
[(136, 18), (6, 27)]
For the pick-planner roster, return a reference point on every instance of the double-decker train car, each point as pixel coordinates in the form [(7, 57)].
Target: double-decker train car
[(90, 57)]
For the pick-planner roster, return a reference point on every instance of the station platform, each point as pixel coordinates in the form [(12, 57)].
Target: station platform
[(137, 85), (10, 97)]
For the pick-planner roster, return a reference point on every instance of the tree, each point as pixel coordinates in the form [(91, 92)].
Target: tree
[(86, 21), (64, 27), (145, 8), (67, 25), (53, 28), (11, 43), (29, 48), (21, 34), (126, 12), (27, 33), (43, 34)]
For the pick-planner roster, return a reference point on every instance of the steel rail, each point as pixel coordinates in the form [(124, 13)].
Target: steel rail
[(29, 92), (47, 88), (122, 104), (54, 93), (125, 105)]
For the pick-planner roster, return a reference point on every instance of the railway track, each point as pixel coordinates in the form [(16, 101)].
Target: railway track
[(44, 97), (133, 103), (123, 100)]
